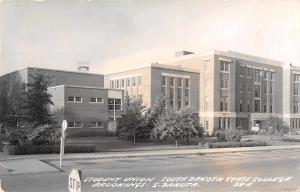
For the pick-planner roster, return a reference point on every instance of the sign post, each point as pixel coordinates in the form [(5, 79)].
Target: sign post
[(1, 190), (74, 184), (64, 127)]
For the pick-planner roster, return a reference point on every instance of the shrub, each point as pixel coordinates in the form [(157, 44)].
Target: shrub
[(228, 135), (88, 148), (47, 149), (237, 144)]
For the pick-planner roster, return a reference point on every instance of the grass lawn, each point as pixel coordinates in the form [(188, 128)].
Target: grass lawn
[(114, 144)]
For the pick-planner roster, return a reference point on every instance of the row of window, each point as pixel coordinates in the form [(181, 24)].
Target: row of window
[(173, 81), (126, 82), (257, 73), (224, 101), (79, 124), (182, 94), (79, 99), (113, 104)]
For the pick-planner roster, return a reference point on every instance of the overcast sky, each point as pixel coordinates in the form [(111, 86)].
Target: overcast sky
[(114, 35)]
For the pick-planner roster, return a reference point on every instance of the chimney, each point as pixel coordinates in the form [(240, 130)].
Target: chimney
[(83, 66), (182, 53)]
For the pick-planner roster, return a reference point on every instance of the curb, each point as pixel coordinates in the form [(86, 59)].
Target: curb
[(165, 153)]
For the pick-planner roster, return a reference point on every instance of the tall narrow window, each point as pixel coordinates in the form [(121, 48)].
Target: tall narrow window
[(172, 81), (257, 76), (257, 106), (241, 105), (257, 91), (224, 104), (224, 66), (242, 70), (164, 80), (187, 83)]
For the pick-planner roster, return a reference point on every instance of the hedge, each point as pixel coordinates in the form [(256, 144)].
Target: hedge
[(237, 144), (47, 149)]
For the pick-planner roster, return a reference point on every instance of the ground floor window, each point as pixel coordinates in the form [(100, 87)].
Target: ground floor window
[(96, 125), (224, 122), (74, 124)]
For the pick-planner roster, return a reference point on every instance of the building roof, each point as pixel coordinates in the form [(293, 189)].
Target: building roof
[(85, 87), (39, 68), (248, 57)]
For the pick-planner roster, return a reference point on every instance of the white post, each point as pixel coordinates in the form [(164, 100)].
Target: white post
[(62, 141), (61, 151)]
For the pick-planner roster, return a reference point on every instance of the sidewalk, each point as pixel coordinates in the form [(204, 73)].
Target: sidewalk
[(149, 153)]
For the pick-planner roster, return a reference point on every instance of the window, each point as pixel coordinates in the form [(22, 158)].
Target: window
[(224, 66), (179, 93), (133, 81), (78, 99), (271, 88), (272, 76), (171, 93), (265, 108), (257, 106), (179, 82), (224, 83), (96, 100), (257, 91), (171, 104), (271, 103), (71, 99), (179, 104), (122, 83), (75, 99), (114, 104), (241, 105), (248, 87), (127, 82), (241, 86), (265, 89), (112, 84), (77, 124), (242, 70), (172, 81), (186, 97), (265, 75), (224, 104), (296, 107), (96, 125), (257, 76), (296, 77), (224, 78), (249, 72), (248, 105), (187, 83), (117, 83), (296, 89), (139, 80), (164, 81)]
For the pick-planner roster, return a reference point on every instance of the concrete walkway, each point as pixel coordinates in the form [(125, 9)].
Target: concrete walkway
[(25, 166), (154, 153)]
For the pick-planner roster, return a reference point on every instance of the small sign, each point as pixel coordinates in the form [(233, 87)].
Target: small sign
[(74, 183), (64, 125)]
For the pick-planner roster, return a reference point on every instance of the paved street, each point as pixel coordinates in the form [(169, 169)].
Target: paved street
[(153, 174)]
